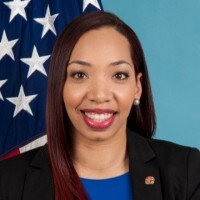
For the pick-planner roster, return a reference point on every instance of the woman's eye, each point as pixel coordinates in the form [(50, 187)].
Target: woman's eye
[(78, 75), (121, 75)]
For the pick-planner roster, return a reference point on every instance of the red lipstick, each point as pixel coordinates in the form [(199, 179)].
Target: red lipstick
[(98, 118)]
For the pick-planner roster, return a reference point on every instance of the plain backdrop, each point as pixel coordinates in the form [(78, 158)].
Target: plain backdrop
[(170, 35)]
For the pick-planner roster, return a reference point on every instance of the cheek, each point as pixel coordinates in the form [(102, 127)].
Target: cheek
[(125, 100), (125, 95), (71, 96)]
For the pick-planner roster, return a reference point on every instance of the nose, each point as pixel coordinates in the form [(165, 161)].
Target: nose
[(99, 92)]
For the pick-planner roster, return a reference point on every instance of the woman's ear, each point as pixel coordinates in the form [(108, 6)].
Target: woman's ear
[(138, 90)]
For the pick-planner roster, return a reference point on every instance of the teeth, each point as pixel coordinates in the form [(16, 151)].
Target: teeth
[(98, 117)]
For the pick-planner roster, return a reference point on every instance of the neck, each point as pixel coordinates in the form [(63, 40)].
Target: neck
[(101, 159)]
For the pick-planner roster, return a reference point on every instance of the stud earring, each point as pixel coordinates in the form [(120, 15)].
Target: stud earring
[(136, 102)]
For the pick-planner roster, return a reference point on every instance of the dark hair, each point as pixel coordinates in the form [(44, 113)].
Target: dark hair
[(141, 119)]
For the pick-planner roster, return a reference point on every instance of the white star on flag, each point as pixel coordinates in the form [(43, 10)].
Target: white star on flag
[(17, 7), (35, 62), (6, 46), (47, 22), (93, 2), (22, 102), (2, 82)]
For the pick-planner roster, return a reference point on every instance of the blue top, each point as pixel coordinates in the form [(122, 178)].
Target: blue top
[(116, 188)]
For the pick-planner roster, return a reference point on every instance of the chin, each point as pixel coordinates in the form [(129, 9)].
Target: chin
[(99, 136)]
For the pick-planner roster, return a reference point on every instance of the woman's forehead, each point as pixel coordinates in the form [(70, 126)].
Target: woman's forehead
[(105, 43)]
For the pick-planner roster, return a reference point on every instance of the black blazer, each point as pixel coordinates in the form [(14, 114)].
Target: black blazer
[(176, 170)]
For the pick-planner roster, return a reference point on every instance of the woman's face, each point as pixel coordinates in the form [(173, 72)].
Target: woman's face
[(101, 85)]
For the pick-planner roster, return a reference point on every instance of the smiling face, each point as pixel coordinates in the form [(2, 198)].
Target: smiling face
[(101, 85)]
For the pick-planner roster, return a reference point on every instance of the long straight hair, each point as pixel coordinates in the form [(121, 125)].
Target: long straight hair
[(141, 119)]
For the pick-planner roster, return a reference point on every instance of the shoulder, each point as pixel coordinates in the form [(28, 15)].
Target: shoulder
[(179, 163), (179, 166), (171, 149), (18, 163), (176, 155), (13, 171), (170, 152), (172, 155), (164, 151)]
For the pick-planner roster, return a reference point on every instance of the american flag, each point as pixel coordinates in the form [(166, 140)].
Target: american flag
[(28, 30)]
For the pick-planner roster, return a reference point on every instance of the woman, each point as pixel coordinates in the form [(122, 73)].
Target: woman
[(100, 120)]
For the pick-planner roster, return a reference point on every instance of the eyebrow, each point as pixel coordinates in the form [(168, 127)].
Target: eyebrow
[(120, 62), (80, 62), (83, 63)]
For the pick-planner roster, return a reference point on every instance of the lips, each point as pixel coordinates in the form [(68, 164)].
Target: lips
[(98, 118)]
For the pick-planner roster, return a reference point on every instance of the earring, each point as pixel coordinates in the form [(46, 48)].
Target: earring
[(136, 102)]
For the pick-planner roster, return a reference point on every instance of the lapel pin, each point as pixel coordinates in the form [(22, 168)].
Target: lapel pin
[(149, 180)]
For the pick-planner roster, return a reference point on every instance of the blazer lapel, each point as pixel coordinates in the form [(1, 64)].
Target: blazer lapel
[(39, 182), (145, 176)]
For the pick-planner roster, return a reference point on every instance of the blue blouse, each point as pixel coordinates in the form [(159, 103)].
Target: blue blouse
[(116, 188)]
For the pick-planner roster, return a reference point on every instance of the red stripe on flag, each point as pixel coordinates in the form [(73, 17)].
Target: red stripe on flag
[(12, 154)]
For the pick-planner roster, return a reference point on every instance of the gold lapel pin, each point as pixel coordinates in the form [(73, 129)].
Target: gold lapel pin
[(149, 180)]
